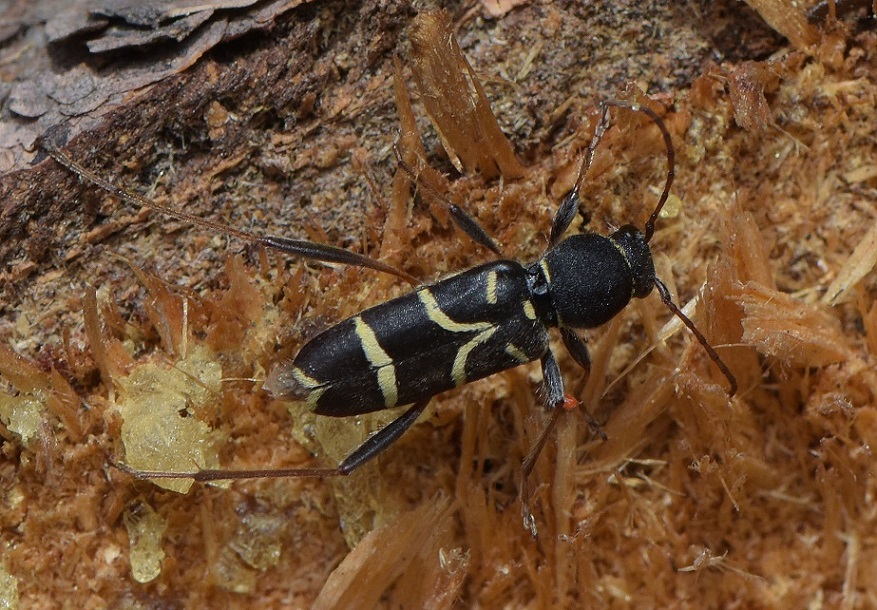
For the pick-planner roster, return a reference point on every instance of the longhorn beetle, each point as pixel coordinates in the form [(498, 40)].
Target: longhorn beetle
[(487, 319)]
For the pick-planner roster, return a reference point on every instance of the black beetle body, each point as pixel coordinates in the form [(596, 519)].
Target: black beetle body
[(466, 327)]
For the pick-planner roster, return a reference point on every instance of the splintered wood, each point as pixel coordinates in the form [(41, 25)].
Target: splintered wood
[(694, 500), (453, 96)]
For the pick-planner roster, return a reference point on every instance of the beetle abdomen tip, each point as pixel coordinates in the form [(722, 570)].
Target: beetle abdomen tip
[(287, 381)]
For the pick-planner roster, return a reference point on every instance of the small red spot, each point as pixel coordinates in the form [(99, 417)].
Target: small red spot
[(569, 402)]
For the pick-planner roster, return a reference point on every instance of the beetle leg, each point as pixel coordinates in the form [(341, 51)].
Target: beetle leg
[(376, 443), (463, 219), (296, 247), (527, 468), (569, 207), (553, 381), (554, 399), (579, 351), (382, 439), (576, 348)]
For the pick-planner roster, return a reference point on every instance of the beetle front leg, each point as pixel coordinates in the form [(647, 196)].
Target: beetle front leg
[(553, 380), (554, 400)]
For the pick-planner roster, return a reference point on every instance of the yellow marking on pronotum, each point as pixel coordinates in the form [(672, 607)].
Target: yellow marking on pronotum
[(545, 271), (517, 354), (529, 311), (626, 259), (435, 313), (379, 359), (458, 372), (491, 287)]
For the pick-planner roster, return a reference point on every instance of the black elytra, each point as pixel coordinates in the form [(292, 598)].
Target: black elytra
[(438, 337), (465, 327)]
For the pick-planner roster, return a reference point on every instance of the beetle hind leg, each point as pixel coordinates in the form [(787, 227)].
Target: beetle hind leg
[(370, 449)]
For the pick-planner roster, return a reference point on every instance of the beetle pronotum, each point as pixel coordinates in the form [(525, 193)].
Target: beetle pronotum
[(465, 327)]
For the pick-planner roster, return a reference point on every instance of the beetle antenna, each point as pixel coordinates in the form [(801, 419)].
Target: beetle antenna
[(571, 204), (588, 157), (671, 160), (714, 356), (649, 231), (296, 247)]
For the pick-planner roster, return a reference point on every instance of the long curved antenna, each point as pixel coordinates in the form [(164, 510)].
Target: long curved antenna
[(649, 229), (296, 247), (714, 356), (570, 205)]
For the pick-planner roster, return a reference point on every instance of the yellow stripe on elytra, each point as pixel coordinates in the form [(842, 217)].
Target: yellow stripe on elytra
[(544, 265), (458, 372), (529, 311), (517, 354), (310, 385), (435, 313), (491, 287), (314, 397), (304, 380), (309, 389), (379, 359)]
